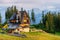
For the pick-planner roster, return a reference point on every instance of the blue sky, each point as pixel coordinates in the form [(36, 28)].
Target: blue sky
[(29, 4)]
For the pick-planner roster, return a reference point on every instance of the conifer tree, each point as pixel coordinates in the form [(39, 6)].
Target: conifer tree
[(9, 12), (33, 16), (0, 18)]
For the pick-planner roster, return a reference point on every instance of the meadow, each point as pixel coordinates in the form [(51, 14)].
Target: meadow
[(31, 36)]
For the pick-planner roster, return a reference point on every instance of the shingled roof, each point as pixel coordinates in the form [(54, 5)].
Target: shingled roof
[(13, 16)]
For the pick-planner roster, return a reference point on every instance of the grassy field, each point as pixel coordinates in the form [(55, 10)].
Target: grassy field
[(57, 33), (31, 36)]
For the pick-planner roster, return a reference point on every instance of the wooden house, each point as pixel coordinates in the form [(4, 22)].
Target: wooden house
[(19, 22)]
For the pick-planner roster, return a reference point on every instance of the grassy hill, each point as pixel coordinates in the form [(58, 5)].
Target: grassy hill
[(31, 36)]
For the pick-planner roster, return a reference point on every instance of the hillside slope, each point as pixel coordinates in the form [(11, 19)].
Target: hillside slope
[(31, 36)]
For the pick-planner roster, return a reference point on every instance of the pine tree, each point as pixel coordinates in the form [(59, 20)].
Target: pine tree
[(47, 26), (15, 9), (0, 18), (58, 22), (0, 21), (43, 16), (50, 22), (33, 16), (9, 12)]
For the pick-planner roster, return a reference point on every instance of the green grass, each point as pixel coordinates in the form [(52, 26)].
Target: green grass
[(31, 36), (57, 33)]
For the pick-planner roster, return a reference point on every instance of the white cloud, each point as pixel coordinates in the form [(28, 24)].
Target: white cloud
[(30, 3), (50, 7), (8, 1)]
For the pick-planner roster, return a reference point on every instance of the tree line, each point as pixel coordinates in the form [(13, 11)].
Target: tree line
[(50, 22)]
